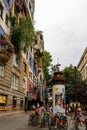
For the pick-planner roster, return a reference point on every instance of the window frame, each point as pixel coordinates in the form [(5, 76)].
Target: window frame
[(7, 19), (14, 82), (1, 71), (1, 10), (16, 61)]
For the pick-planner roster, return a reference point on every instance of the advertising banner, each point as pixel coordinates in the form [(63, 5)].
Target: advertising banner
[(58, 98)]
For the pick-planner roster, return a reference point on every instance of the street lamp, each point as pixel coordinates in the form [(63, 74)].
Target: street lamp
[(76, 83)]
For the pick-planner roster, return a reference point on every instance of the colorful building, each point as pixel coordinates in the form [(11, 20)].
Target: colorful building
[(21, 73)]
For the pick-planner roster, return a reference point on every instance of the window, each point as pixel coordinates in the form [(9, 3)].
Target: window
[(2, 47), (30, 75), (24, 83), (27, 55), (7, 20), (30, 6), (36, 42), (1, 70), (8, 1), (1, 10), (14, 82), (15, 60), (31, 48), (24, 67)]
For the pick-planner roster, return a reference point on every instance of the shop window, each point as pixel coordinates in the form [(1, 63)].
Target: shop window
[(14, 82), (21, 102), (1, 70), (3, 101), (14, 102), (1, 10)]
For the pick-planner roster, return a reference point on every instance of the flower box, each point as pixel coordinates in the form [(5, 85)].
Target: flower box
[(2, 42), (4, 56)]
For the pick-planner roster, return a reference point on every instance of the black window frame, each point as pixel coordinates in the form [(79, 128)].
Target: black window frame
[(1, 10)]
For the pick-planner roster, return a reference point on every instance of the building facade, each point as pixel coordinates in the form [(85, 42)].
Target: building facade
[(20, 73), (82, 65)]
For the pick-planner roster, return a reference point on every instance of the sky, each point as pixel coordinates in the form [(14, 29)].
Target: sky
[(64, 27)]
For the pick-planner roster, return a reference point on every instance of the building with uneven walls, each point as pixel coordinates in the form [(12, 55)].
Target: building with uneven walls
[(6, 52), (21, 72), (35, 78), (13, 65), (82, 65)]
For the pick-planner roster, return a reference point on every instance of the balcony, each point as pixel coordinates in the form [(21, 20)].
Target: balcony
[(6, 49), (4, 56)]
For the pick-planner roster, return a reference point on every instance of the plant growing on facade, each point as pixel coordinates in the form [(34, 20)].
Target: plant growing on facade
[(22, 34), (73, 78), (46, 62)]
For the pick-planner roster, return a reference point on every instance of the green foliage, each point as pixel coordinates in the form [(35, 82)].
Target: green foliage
[(46, 62), (47, 76), (22, 34), (73, 77), (46, 59), (13, 20)]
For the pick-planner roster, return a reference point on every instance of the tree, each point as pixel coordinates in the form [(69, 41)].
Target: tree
[(73, 77), (46, 62)]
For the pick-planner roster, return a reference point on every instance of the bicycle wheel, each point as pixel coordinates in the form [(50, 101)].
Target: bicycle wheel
[(29, 121)]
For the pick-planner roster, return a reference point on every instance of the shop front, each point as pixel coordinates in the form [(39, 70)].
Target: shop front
[(29, 96), (21, 104), (14, 103), (3, 102)]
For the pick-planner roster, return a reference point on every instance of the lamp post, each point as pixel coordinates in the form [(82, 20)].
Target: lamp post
[(76, 83)]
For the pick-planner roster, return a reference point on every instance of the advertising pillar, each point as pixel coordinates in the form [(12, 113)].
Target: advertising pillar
[(58, 98)]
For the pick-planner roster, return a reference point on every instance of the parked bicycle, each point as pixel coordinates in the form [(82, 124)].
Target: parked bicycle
[(44, 119), (33, 119), (58, 121)]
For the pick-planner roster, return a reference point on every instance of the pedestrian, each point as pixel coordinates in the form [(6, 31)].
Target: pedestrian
[(77, 123), (51, 109), (85, 123), (40, 110), (33, 107)]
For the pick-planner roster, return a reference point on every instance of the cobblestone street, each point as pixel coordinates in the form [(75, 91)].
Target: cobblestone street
[(19, 121)]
